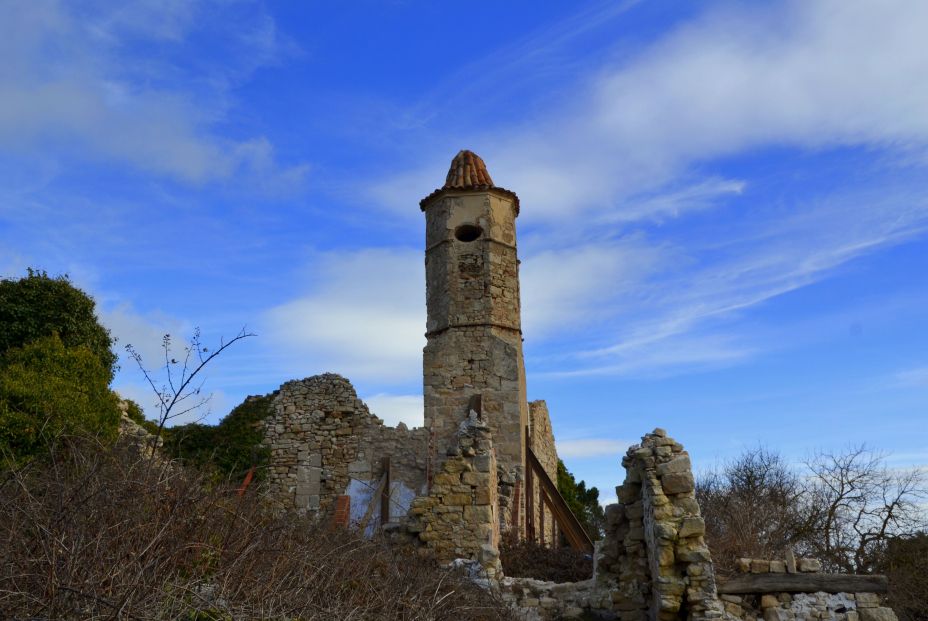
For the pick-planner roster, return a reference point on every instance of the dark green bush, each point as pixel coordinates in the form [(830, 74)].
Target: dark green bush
[(37, 306)]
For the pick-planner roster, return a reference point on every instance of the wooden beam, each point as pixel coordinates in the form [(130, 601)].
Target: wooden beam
[(378, 491), (568, 522), (385, 492), (541, 515), (529, 493), (804, 583)]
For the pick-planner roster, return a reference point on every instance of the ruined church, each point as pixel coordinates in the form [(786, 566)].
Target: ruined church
[(327, 448), (483, 467)]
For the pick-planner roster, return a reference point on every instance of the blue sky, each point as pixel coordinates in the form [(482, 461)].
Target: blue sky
[(724, 205)]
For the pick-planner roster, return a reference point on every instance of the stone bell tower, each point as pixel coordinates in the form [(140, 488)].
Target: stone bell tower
[(474, 328)]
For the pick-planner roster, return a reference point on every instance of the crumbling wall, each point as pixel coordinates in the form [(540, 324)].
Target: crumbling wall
[(457, 519), (324, 442), (813, 595), (542, 444), (655, 550)]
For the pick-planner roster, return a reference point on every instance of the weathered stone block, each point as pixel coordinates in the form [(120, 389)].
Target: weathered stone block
[(760, 566), (867, 600), (877, 614), (692, 526), (477, 479), (678, 483), (479, 514), (810, 565), (446, 478), (456, 499), (676, 465)]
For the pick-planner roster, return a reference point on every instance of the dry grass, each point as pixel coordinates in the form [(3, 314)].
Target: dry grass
[(100, 533), (526, 559)]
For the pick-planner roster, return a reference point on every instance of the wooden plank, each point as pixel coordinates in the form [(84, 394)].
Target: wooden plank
[(804, 583), (565, 518), (378, 491), (541, 515), (529, 493), (385, 492)]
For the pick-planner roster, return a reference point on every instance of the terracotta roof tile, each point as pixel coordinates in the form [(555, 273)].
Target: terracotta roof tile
[(468, 172)]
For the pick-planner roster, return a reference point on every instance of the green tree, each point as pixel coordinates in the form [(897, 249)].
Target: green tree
[(38, 305), (48, 389), (582, 501)]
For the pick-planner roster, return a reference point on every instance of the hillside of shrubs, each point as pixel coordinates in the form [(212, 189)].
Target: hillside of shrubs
[(92, 527)]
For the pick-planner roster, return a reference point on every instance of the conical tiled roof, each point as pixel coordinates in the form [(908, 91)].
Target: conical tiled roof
[(468, 172)]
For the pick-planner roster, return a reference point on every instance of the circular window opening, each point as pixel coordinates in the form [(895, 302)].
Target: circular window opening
[(468, 232)]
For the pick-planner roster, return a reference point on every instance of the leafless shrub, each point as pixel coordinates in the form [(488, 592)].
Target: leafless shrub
[(755, 506), (95, 532), (858, 504), (848, 509), (178, 384), (527, 559)]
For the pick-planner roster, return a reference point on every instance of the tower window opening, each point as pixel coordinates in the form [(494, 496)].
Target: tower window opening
[(468, 232)]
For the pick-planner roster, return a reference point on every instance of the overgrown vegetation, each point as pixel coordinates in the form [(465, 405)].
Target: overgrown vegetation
[(227, 450), (561, 563), (97, 532), (55, 366), (532, 560), (848, 509)]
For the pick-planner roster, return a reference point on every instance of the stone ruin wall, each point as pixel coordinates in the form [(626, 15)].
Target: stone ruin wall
[(324, 442), (542, 444), (654, 564)]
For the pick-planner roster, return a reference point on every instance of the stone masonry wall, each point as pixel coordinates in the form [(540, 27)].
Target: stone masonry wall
[(457, 518), (654, 547), (654, 564), (793, 606), (817, 606), (542, 441), (324, 442)]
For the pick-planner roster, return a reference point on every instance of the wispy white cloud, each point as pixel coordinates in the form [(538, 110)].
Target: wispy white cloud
[(362, 315), (144, 331), (71, 87), (740, 77), (687, 314), (395, 409), (569, 287), (591, 447), (913, 378)]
